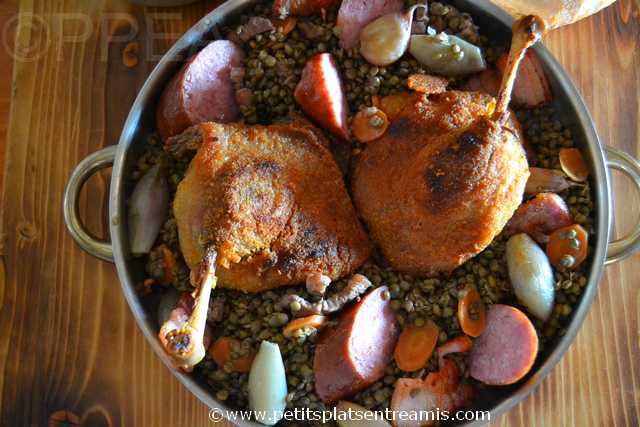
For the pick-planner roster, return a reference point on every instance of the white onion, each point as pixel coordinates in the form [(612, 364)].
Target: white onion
[(385, 40), (531, 275), (268, 385), (147, 210)]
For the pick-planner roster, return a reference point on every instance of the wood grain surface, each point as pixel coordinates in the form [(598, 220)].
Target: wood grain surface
[(69, 341)]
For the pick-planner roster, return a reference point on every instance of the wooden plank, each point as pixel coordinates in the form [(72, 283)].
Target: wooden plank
[(70, 341), (8, 21)]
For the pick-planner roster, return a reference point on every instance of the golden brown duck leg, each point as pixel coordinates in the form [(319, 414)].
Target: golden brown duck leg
[(526, 32), (182, 336)]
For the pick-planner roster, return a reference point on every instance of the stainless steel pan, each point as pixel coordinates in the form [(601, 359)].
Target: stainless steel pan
[(141, 123)]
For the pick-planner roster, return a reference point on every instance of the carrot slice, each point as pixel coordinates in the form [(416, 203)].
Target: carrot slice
[(567, 247), (369, 124), (472, 313), (573, 164), (415, 346), (221, 353), (314, 321)]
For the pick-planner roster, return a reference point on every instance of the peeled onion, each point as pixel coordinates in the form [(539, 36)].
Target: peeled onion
[(147, 210), (531, 275), (351, 415), (268, 384), (385, 40), (446, 54)]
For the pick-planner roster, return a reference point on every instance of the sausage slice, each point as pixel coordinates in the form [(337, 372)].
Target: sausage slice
[(202, 91), (507, 348), (539, 217), (354, 354)]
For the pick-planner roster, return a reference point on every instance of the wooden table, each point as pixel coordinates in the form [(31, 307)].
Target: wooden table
[(69, 341)]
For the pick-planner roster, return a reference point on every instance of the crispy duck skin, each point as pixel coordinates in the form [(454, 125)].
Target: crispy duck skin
[(273, 203), (442, 183), (449, 173)]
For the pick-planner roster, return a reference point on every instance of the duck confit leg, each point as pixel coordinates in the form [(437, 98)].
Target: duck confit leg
[(182, 336)]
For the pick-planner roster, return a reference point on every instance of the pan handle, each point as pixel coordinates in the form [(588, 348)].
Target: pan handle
[(628, 245), (91, 164)]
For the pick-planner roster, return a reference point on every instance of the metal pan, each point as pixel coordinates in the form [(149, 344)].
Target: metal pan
[(141, 123)]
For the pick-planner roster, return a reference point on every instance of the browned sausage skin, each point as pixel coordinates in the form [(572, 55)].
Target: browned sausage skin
[(354, 354), (202, 91)]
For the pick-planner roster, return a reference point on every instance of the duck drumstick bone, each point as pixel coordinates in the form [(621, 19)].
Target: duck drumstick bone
[(526, 32), (182, 336)]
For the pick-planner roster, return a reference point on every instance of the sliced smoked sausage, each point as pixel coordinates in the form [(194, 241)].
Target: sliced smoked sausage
[(507, 348), (202, 91), (354, 354)]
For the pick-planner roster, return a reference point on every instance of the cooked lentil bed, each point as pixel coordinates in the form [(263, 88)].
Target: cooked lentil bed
[(251, 318)]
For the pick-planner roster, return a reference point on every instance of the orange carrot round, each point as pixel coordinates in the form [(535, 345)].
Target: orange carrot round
[(472, 313), (369, 124), (314, 321), (415, 346), (567, 247), (221, 353), (573, 164)]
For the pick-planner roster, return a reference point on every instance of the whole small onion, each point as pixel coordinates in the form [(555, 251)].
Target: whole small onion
[(386, 39), (147, 210), (268, 384), (531, 275)]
